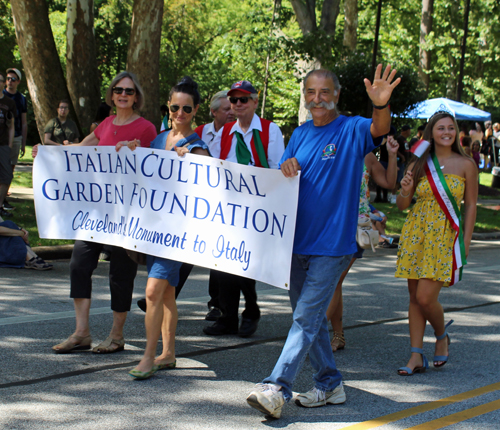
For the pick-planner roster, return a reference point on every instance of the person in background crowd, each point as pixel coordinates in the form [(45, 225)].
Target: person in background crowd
[(102, 113), (61, 130), (418, 136), (476, 155), (20, 124), (441, 178), (466, 145), (15, 250), (254, 141), (387, 179), (8, 112), (163, 274), (329, 151), (126, 95), (165, 118)]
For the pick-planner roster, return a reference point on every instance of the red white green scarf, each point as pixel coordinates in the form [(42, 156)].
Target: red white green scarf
[(449, 206)]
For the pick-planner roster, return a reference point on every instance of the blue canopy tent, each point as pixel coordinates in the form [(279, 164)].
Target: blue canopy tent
[(462, 111)]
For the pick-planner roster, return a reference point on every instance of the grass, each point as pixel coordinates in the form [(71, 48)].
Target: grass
[(485, 179)]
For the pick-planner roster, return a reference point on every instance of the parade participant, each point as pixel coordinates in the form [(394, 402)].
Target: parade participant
[(386, 179), (329, 151), (433, 246), (249, 141), (126, 95), (163, 274), (61, 130)]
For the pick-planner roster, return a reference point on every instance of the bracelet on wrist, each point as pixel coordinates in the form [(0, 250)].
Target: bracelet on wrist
[(381, 107), (402, 195)]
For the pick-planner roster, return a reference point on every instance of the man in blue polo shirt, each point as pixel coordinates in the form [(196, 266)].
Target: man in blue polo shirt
[(329, 152)]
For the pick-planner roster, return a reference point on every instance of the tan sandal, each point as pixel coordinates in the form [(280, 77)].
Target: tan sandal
[(107, 347), (73, 343), (338, 341)]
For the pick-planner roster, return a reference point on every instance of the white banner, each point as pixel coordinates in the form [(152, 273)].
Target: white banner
[(195, 209)]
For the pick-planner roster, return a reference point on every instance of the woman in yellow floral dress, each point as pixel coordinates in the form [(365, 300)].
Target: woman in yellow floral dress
[(426, 250)]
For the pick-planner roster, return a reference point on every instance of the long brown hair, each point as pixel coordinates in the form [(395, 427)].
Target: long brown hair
[(418, 169)]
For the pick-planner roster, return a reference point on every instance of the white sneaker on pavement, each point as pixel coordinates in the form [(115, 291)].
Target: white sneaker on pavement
[(267, 398), (316, 397)]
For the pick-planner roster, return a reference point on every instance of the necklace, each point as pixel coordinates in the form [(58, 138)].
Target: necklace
[(123, 123)]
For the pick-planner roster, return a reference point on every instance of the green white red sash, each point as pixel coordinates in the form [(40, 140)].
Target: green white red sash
[(449, 206)]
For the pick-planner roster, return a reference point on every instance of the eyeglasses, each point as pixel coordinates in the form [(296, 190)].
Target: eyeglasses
[(175, 108), (9, 78), (120, 90), (234, 100)]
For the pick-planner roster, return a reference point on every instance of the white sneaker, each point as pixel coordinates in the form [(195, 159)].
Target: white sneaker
[(267, 398), (316, 397)]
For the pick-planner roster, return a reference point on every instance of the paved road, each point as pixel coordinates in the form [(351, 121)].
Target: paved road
[(42, 390)]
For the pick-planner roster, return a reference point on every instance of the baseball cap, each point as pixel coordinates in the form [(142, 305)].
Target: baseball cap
[(243, 86), (17, 72)]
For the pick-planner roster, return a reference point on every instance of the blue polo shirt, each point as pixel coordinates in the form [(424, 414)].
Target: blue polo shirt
[(331, 158)]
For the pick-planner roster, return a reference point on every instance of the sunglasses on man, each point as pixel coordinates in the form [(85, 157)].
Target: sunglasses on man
[(10, 78), (120, 90), (243, 100), (175, 108)]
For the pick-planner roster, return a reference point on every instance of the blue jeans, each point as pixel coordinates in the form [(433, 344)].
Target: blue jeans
[(312, 284)]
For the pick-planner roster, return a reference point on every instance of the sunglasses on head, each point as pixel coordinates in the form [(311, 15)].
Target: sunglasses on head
[(175, 108), (120, 90), (243, 100), (10, 78)]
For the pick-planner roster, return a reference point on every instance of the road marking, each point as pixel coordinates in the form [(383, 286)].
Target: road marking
[(458, 417), (386, 419)]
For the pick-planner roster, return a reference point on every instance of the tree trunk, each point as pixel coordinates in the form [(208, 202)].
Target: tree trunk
[(306, 15), (351, 24), (143, 56), (425, 29), (81, 60), (329, 13), (41, 63)]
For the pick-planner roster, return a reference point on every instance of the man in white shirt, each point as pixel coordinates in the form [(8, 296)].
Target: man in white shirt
[(250, 141)]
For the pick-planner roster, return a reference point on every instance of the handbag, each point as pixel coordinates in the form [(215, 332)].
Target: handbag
[(365, 235), (137, 257)]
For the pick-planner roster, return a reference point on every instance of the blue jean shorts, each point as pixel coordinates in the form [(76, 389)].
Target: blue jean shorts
[(162, 268)]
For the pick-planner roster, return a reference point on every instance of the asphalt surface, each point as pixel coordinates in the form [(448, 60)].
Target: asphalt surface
[(43, 390)]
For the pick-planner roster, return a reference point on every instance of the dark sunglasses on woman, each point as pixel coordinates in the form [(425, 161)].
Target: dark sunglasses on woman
[(175, 108), (234, 100), (120, 90)]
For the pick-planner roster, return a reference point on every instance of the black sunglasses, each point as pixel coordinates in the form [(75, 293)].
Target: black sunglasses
[(175, 108), (9, 78), (234, 100), (128, 91)]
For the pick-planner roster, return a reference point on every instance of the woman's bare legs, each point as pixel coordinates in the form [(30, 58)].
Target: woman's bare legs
[(168, 328), (335, 309), (424, 306), (155, 291)]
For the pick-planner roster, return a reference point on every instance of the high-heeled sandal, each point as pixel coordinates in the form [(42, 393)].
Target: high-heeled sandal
[(340, 338), (418, 369), (442, 358)]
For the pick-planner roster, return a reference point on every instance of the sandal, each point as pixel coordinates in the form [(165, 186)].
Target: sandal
[(82, 342), (338, 341), (418, 369), (442, 358), (107, 347), (166, 366), (137, 374)]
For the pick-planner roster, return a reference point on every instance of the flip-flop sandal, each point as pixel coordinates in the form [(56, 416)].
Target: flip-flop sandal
[(167, 366), (106, 347)]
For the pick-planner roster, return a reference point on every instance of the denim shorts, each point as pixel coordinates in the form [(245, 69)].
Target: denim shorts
[(162, 268)]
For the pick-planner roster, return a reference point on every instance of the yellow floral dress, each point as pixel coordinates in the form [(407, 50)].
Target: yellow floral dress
[(426, 243)]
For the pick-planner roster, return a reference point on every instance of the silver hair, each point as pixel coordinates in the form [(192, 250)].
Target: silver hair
[(215, 101), (138, 89), (327, 74)]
